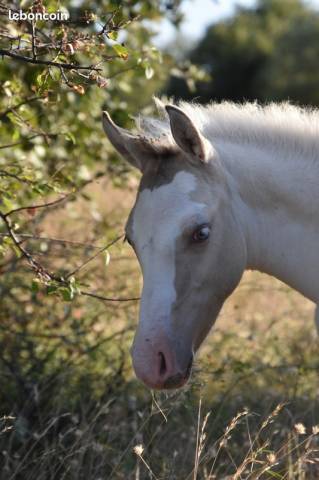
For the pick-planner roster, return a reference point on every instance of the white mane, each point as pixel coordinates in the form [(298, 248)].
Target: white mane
[(274, 126)]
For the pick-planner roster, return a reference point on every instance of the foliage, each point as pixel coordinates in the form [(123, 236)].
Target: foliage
[(55, 240), (58, 78), (70, 407), (265, 52), (86, 418)]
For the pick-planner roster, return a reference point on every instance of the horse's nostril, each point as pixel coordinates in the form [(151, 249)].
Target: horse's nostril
[(163, 367)]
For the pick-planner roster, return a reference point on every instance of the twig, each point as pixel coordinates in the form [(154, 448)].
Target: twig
[(94, 256), (29, 236), (36, 61), (44, 274), (18, 105), (3, 173), (67, 82), (109, 299), (41, 272), (45, 135), (43, 205), (120, 72)]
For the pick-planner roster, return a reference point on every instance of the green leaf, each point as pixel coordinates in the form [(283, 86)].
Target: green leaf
[(149, 72), (16, 135), (7, 202), (69, 136), (112, 35), (34, 286), (51, 289), (55, 74), (121, 51), (41, 79), (67, 294)]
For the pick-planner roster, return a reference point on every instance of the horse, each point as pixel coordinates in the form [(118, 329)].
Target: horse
[(224, 188)]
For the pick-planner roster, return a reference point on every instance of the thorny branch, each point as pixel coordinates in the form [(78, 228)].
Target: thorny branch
[(43, 273), (43, 205), (30, 46), (29, 236), (36, 61), (40, 271), (32, 43)]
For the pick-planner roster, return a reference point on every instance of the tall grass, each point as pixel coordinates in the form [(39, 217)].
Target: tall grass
[(71, 408)]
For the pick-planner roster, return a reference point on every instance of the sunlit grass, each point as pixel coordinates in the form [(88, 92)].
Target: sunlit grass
[(71, 407)]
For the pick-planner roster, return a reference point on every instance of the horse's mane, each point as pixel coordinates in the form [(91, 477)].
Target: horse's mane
[(276, 126)]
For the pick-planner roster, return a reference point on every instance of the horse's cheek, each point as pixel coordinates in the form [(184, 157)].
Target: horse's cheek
[(231, 260)]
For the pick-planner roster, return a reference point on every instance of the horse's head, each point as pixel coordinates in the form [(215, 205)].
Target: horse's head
[(187, 241)]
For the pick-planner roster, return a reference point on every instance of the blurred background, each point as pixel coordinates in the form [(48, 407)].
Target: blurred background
[(70, 406)]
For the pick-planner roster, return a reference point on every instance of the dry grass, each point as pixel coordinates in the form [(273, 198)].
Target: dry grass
[(249, 412)]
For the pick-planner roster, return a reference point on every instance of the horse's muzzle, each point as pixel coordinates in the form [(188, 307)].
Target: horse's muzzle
[(179, 380), (157, 365)]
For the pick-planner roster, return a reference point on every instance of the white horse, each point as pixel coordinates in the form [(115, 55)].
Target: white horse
[(224, 188)]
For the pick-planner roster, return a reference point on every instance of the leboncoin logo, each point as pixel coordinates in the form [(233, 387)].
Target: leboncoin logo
[(21, 15)]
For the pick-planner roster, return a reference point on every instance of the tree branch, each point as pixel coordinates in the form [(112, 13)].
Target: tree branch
[(109, 299), (42, 205), (14, 144), (18, 105), (45, 275), (29, 236), (94, 256), (41, 272), (36, 61), (3, 173)]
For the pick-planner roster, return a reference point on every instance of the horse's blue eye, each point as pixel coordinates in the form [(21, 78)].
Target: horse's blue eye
[(201, 234)]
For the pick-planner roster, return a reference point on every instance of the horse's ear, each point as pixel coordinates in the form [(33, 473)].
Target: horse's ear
[(186, 134), (135, 149)]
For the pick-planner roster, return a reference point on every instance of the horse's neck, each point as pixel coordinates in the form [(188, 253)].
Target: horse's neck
[(276, 199)]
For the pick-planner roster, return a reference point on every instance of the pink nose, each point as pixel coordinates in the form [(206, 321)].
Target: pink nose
[(155, 364)]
